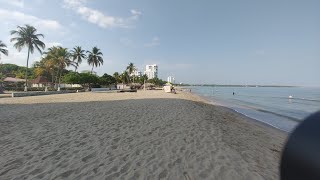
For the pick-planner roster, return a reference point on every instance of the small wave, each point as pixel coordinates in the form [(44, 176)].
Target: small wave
[(281, 97), (280, 115), (295, 98), (305, 99), (270, 124)]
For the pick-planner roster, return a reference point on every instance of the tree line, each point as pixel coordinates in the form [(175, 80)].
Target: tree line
[(55, 61)]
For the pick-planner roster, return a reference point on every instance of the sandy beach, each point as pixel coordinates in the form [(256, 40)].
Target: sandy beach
[(143, 135)]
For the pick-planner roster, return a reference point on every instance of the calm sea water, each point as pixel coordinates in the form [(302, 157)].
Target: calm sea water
[(280, 107)]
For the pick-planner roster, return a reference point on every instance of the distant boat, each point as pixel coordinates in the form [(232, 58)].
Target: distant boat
[(290, 97)]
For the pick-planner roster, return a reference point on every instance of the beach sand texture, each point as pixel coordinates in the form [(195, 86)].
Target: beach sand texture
[(144, 135)]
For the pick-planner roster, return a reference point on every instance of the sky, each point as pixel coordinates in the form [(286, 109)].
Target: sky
[(273, 42)]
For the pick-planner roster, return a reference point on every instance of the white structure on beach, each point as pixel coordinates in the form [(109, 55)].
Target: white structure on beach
[(151, 71), (171, 79)]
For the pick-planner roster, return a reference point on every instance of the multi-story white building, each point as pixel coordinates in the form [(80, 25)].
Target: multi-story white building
[(171, 79), (151, 71)]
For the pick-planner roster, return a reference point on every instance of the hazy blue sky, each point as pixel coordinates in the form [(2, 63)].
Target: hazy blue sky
[(206, 41)]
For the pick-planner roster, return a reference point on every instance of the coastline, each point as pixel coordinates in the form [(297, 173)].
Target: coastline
[(263, 124), (148, 134)]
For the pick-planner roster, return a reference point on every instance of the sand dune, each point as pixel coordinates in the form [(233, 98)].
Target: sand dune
[(144, 135)]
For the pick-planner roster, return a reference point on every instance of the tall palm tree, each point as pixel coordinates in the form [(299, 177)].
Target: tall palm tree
[(95, 57), (125, 77), (77, 55), (27, 37), (131, 68), (50, 66), (116, 76), (61, 58), (3, 49)]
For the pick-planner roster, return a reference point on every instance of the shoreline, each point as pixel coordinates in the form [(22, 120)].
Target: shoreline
[(241, 114), (143, 135)]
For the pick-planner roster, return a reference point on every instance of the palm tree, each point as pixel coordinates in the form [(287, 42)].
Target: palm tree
[(95, 57), (50, 66), (125, 77), (116, 76), (38, 68), (131, 68), (27, 37), (77, 55), (3, 49), (61, 58)]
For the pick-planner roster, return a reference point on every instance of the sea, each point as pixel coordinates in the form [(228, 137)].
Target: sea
[(281, 107)]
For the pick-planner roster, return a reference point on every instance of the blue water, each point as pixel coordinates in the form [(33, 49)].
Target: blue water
[(270, 105)]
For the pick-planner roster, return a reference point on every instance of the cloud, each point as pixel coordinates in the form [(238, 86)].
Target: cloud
[(135, 14), (154, 42), (97, 17), (15, 17), (18, 3)]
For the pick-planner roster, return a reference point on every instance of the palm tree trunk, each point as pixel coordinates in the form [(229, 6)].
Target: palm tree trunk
[(26, 85), (59, 80), (91, 69), (56, 78)]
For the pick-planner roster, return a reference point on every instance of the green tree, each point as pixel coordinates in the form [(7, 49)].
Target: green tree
[(131, 68), (27, 37), (157, 81), (2, 76), (107, 80), (38, 68), (78, 54), (143, 79), (72, 78), (8, 68), (95, 58), (3, 49), (1, 81), (87, 79), (125, 77), (116, 77), (61, 58), (12, 70)]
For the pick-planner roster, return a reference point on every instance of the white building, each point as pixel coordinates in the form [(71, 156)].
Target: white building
[(151, 71), (171, 79), (136, 73)]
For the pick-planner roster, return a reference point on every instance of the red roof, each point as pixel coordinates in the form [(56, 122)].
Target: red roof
[(11, 79), (39, 80)]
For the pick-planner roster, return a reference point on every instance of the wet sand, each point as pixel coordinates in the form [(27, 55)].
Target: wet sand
[(144, 135)]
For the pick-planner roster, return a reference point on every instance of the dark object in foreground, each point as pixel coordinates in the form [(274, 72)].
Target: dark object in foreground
[(301, 155), (127, 90)]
